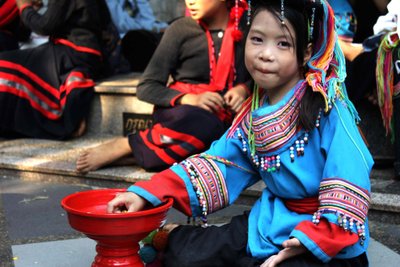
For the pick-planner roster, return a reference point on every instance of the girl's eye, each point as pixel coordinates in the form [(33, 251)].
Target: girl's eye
[(256, 39), (284, 44)]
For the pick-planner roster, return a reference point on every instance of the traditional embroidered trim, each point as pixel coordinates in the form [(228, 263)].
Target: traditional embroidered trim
[(348, 201), (208, 183), (272, 131), (272, 163)]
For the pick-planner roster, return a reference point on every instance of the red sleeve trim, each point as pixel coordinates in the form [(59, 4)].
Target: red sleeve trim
[(168, 184), (173, 100), (330, 237)]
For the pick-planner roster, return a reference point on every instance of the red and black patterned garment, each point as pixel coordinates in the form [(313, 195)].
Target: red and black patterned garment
[(11, 30), (46, 91), (198, 60)]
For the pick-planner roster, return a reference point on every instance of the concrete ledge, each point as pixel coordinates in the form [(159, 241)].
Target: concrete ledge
[(115, 96), (119, 84), (386, 202), (59, 157)]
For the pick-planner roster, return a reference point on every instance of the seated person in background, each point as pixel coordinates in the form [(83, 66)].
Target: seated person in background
[(204, 56), (388, 75), (139, 30), (11, 29), (360, 63), (47, 90)]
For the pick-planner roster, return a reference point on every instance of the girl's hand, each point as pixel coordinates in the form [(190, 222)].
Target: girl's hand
[(292, 247), (235, 97), (210, 101), (126, 201)]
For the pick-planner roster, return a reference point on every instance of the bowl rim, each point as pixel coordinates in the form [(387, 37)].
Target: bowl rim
[(165, 206)]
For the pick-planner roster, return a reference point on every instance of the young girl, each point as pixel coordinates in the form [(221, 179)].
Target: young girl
[(204, 56), (298, 134)]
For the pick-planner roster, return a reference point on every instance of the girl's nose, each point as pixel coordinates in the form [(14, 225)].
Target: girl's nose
[(265, 54)]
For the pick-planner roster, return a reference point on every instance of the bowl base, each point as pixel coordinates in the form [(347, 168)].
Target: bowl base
[(117, 256)]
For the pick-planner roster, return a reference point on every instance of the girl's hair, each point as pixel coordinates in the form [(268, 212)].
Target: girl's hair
[(299, 14)]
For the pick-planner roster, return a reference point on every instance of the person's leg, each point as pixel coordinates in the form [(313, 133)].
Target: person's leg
[(102, 155), (176, 134), (211, 246)]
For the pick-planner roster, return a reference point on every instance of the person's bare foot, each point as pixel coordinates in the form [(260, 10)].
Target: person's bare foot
[(102, 155)]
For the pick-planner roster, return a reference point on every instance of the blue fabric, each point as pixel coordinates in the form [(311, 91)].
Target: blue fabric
[(142, 19), (335, 150), (145, 194), (346, 22)]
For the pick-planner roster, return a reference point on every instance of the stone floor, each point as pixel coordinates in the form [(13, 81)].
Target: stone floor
[(34, 229)]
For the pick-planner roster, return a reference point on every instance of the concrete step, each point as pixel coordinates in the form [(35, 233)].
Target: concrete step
[(114, 97), (59, 157)]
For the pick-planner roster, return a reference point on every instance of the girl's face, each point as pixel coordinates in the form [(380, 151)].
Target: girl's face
[(204, 9), (270, 54)]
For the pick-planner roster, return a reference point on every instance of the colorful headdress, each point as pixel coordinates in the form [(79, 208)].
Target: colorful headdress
[(326, 69)]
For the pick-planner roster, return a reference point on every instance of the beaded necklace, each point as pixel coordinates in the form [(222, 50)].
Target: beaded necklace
[(271, 132)]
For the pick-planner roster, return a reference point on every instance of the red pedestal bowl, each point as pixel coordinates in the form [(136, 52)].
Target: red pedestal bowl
[(117, 234)]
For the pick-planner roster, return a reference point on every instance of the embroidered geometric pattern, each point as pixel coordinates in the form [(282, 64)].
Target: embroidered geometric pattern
[(348, 201), (208, 183), (273, 131)]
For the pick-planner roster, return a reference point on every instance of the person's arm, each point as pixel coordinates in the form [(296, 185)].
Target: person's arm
[(222, 173), (344, 194), (350, 50), (153, 88), (47, 23)]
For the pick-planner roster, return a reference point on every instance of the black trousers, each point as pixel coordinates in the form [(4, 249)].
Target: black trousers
[(226, 245)]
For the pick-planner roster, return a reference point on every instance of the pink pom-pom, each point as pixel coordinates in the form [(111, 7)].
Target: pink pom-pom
[(237, 35)]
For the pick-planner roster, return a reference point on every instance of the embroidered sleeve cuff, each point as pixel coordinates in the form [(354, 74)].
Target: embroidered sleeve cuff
[(343, 203), (208, 184), (164, 185), (324, 240)]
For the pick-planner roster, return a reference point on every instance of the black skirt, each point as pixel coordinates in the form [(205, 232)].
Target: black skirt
[(46, 91)]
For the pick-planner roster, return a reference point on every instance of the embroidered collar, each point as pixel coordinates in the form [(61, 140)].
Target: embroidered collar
[(272, 127)]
